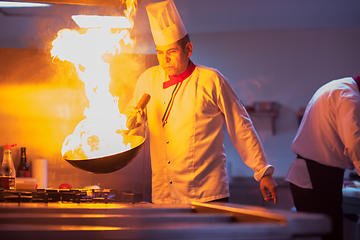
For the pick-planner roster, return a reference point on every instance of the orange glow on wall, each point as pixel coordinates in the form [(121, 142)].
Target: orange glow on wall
[(43, 100)]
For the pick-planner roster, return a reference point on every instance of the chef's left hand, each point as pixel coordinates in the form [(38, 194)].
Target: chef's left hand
[(268, 188)]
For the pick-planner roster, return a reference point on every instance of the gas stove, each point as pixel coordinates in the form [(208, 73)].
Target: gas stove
[(69, 195)]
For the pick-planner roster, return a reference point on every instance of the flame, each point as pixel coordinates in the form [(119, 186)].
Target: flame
[(96, 135)]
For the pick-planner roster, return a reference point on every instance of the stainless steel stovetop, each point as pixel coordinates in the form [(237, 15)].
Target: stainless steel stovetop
[(126, 220), (69, 195)]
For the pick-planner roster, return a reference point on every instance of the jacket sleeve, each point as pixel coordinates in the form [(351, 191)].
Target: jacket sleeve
[(348, 124), (242, 132)]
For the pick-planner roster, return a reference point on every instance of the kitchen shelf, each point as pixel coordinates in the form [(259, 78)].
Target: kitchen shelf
[(265, 109)]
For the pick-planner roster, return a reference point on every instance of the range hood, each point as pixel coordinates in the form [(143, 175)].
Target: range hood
[(106, 3)]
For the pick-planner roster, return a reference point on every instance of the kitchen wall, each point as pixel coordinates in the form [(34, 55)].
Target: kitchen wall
[(283, 66), (43, 100)]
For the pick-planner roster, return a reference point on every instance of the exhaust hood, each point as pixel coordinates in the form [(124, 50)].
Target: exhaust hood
[(105, 3)]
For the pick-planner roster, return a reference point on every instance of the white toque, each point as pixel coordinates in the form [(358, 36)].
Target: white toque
[(165, 22)]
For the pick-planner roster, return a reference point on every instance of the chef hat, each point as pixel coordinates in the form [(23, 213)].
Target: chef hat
[(165, 22)]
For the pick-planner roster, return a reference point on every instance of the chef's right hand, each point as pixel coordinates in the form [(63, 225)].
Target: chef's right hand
[(135, 118)]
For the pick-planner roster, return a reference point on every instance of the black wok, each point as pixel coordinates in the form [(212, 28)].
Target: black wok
[(110, 163)]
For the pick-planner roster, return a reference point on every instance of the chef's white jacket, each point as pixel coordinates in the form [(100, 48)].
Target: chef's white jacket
[(187, 154), (329, 132)]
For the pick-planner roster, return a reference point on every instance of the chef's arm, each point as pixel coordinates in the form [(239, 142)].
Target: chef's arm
[(246, 141), (348, 124)]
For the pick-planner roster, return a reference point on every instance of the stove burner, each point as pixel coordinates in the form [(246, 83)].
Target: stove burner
[(69, 195)]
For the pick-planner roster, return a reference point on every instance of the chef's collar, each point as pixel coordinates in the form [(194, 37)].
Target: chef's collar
[(174, 79), (357, 80)]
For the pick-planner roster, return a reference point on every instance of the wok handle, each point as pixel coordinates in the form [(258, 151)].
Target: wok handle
[(143, 101)]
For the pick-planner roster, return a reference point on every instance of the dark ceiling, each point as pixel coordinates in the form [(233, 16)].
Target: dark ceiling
[(199, 16)]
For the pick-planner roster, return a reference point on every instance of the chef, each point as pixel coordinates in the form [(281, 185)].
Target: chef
[(326, 143), (185, 116)]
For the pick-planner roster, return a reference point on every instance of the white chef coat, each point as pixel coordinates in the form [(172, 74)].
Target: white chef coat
[(187, 154), (329, 132)]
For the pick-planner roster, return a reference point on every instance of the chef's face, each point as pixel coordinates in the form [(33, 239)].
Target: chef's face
[(173, 58)]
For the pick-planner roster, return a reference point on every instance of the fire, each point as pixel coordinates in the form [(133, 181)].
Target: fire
[(96, 135)]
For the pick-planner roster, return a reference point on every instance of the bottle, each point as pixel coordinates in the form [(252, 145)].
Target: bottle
[(23, 167), (7, 169)]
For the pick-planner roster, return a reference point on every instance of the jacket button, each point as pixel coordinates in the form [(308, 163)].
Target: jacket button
[(168, 162), (170, 182), (167, 142), (163, 102)]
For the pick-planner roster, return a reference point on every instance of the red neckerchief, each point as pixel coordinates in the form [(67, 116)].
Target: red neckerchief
[(357, 80), (174, 79)]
